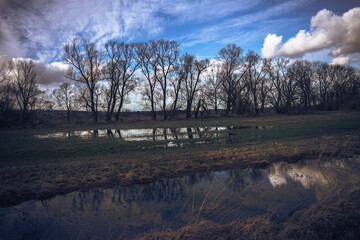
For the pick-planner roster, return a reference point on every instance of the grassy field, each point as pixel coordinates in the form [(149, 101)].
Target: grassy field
[(34, 167)]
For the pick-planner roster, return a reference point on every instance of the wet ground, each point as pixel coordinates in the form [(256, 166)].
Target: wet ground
[(121, 212)]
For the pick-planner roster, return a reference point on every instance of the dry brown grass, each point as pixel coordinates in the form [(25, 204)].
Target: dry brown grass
[(44, 180), (336, 216)]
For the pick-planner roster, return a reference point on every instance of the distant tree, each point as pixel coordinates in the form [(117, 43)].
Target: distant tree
[(146, 60), (265, 85), (212, 87), (128, 65), (232, 60), (85, 62), (195, 68), (3, 69), (6, 98), (65, 98), (118, 72), (255, 78), (111, 73), (322, 82), (165, 53), (277, 71), (24, 86), (45, 101), (345, 86), (177, 82), (302, 71)]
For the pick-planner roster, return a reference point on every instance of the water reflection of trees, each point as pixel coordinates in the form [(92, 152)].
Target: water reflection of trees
[(91, 198), (185, 136), (237, 180), (166, 191)]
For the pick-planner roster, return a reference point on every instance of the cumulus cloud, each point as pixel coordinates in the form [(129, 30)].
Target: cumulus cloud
[(343, 60), (338, 33), (50, 75)]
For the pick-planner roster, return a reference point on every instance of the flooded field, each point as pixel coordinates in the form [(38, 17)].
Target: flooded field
[(125, 212), (168, 137)]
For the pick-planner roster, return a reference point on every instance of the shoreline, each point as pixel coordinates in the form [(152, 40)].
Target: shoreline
[(47, 180)]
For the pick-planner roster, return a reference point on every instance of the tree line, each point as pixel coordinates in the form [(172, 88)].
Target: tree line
[(102, 79)]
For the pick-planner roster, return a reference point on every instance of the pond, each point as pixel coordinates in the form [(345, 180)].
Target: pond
[(125, 212), (166, 137)]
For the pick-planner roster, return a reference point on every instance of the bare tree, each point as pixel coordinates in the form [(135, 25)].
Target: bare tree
[(212, 87), (256, 73), (128, 65), (24, 86), (265, 89), (111, 73), (85, 61), (345, 86), (232, 59), (146, 59), (302, 71), (118, 71), (195, 68), (3, 69), (6, 100), (176, 82), (322, 82), (166, 54), (64, 97), (277, 70)]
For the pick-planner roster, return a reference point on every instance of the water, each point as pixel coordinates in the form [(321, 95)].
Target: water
[(125, 212), (166, 137)]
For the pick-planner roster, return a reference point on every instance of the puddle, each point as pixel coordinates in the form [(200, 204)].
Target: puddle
[(156, 134), (118, 212), (168, 137)]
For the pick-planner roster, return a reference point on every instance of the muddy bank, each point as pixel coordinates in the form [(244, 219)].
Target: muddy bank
[(337, 216), (45, 180)]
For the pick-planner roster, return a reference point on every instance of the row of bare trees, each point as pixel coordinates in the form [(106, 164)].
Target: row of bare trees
[(168, 82), (18, 88)]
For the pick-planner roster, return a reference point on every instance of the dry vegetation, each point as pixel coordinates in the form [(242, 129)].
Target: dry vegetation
[(33, 168), (336, 216), (43, 180)]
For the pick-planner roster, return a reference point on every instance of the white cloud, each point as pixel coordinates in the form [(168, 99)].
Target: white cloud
[(271, 45), (343, 60), (41, 27), (340, 33)]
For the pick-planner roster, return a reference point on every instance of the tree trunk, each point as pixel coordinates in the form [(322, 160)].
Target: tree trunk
[(68, 116)]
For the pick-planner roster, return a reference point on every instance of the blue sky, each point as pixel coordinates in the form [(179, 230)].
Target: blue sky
[(38, 29)]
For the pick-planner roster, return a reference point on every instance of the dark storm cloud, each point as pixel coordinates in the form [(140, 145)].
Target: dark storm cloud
[(50, 74), (10, 44)]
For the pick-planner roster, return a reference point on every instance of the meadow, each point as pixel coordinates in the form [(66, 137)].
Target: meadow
[(44, 162)]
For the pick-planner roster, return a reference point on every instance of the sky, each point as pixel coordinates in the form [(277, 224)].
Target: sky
[(327, 30)]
